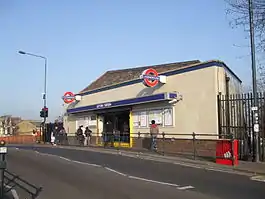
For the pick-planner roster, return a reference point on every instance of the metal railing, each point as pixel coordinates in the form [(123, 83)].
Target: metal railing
[(9, 181), (236, 117), (193, 146)]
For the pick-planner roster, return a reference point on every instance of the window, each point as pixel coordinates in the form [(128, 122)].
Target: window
[(156, 115), (163, 117), (135, 119), (168, 117), (139, 119), (92, 120), (80, 122), (93, 117), (86, 121)]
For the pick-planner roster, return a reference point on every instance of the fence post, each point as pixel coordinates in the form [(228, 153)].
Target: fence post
[(119, 145), (194, 145), (3, 151), (163, 140), (139, 135)]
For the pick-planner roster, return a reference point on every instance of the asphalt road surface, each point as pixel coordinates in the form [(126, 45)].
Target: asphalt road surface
[(86, 174)]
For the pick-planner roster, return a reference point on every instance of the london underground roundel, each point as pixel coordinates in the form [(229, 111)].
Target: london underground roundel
[(150, 77), (68, 97)]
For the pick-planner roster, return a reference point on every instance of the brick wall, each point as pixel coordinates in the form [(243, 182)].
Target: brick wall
[(184, 147), (19, 139), (204, 148)]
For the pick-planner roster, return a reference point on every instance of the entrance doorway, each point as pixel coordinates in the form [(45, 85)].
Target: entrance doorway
[(116, 124)]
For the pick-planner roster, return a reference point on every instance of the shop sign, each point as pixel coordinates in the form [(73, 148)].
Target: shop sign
[(68, 97), (150, 77), (105, 105)]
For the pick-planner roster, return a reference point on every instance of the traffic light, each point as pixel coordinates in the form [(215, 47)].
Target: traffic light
[(44, 112)]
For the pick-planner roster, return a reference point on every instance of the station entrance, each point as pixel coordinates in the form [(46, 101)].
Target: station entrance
[(116, 128)]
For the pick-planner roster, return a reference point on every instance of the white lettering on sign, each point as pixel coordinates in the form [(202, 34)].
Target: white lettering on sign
[(104, 105)]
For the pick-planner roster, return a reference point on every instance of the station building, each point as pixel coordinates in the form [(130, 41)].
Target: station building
[(181, 97)]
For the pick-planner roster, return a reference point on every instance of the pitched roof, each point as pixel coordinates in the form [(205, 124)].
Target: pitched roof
[(33, 122), (118, 76)]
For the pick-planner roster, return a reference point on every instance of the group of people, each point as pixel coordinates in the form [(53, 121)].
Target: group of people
[(84, 137), (58, 135)]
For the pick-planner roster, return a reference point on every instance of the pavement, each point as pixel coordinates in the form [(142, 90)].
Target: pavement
[(94, 173)]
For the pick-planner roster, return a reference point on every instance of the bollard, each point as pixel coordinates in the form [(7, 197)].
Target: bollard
[(194, 145), (163, 136), (3, 151)]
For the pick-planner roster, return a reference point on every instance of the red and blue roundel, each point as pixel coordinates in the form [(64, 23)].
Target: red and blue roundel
[(150, 77), (68, 97)]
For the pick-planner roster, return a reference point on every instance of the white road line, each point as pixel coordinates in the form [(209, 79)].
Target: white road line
[(186, 187), (85, 163), (122, 174), (153, 181), (14, 192), (258, 178), (112, 170), (64, 158), (212, 169), (187, 165)]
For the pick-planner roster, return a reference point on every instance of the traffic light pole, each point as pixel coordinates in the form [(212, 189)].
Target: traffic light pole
[(44, 97), (45, 84)]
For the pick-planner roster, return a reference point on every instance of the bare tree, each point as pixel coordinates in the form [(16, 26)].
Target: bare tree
[(239, 12)]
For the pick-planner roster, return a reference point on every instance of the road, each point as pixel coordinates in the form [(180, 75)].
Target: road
[(87, 174)]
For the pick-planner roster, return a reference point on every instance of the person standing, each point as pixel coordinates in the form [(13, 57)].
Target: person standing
[(154, 131), (88, 134), (80, 135)]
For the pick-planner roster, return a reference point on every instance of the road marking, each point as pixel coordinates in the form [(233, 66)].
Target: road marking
[(13, 191), (187, 165), (258, 178), (64, 158), (112, 170), (185, 187), (122, 174), (85, 163), (153, 181)]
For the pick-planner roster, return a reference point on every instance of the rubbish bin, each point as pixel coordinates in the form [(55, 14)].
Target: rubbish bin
[(227, 152)]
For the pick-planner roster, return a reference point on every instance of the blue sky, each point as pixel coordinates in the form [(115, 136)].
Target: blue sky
[(82, 39)]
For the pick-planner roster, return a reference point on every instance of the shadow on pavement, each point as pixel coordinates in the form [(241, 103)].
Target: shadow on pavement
[(23, 188)]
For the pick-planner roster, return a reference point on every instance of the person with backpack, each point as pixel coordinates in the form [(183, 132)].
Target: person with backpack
[(80, 135)]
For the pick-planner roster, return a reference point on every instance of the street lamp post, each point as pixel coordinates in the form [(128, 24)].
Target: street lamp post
[(254, 85), (45, 81)]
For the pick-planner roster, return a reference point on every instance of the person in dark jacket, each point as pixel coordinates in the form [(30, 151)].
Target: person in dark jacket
[(109, 136), (154, 131), (80, 135), (88, 135)]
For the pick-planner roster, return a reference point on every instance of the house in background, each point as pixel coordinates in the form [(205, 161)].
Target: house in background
[(8, 124), (26, 127)]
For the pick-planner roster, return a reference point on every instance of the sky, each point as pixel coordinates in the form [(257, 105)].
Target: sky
[(84, 38)]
